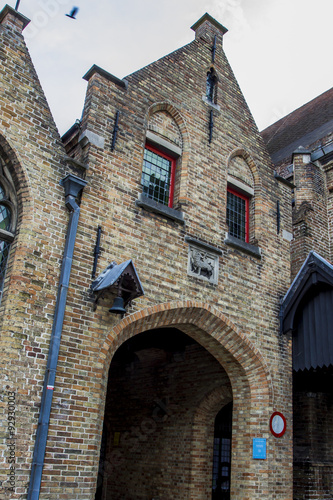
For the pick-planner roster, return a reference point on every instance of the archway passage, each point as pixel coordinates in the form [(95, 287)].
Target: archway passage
[(161, 385)]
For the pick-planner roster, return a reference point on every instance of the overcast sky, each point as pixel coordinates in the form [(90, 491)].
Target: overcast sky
[(279, 50)]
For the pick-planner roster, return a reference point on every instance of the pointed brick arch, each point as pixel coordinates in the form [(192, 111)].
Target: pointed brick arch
[(210, 328), (186, 145), (176, 115), (20, 179), (15, 182), (242, 153), (256, 202), (250, 380)]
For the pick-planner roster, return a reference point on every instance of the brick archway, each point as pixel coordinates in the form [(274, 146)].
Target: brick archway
[(210, 328), (249, 376)]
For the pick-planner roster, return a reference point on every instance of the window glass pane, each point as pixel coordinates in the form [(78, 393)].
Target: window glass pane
[(2, 193), (222, 454), (156, 173), (4, 250), (210, 84), (4, 218), (236, 216)]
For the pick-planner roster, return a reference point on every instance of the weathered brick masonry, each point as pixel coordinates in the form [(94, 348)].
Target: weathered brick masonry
[(32, 152), (301, 147), (234, 320)]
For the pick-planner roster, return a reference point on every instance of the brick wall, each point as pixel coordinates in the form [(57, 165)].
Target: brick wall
[(313, 425)]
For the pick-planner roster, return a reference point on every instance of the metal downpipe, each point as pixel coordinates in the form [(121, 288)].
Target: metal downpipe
[(73, 185)]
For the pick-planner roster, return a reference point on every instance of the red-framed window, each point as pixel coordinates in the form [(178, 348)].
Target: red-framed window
[(238, 214), (158, 175)]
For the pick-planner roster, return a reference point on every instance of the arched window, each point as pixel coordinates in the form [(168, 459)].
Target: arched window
[(7, 221), (240, 199), (160, 177)]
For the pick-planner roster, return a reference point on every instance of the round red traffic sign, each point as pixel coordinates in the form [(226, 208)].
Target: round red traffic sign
[(277, 424)]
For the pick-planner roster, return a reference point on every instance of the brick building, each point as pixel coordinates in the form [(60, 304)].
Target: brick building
[(144, 256), (301, 147)]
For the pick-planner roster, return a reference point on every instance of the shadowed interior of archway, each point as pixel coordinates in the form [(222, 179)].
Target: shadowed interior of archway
[(157, 381)]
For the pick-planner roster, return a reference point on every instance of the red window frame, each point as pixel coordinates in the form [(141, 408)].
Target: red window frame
[(157, 151), (247, 210)]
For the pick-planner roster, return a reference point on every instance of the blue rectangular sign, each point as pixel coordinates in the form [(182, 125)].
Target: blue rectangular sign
[(259, 448)]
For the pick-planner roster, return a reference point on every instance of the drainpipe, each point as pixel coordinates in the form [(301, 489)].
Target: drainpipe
[(72, 185)]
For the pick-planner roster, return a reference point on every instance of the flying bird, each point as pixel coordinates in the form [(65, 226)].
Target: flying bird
[(73, 13)]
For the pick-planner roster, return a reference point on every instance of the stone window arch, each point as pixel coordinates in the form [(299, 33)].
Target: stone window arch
[(8, 219)]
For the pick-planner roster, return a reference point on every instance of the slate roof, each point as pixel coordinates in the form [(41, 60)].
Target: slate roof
[(303, 127), (306, 310), (124, 274)]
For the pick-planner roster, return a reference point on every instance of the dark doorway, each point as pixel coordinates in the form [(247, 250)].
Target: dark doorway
[(157, 381), (313, 433), (222, 454)]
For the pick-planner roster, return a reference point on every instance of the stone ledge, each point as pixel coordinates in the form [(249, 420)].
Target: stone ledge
[(283, 180), (210, 103), (6, 235), (240, 186), (153, 206), (201, 244), (243, 246), (8, 11), (164, 143), (89, 137), (105, 74)]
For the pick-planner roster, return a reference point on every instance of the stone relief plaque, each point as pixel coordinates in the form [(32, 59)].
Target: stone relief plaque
[(203, 264)]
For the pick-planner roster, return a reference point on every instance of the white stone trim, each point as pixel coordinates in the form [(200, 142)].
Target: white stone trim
[(287, 235), (210, 103), (89, 137), (156, 139), (240, 185)]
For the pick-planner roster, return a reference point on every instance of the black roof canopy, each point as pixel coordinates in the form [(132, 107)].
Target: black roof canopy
[(307, 312)]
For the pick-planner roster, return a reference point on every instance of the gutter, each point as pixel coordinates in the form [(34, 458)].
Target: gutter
[(321, 151), (73, 186)]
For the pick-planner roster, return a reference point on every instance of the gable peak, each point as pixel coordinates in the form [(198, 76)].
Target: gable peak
[(208, 23)]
